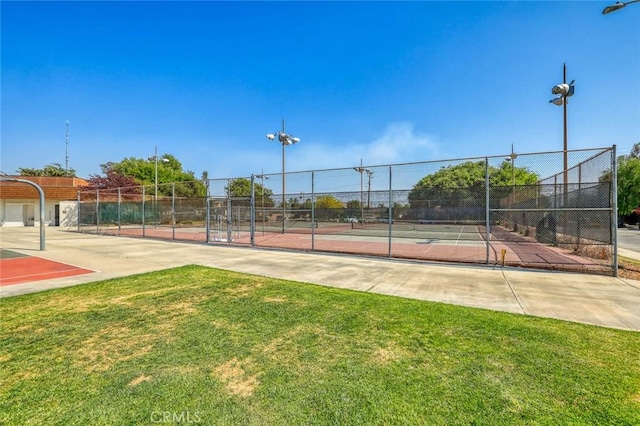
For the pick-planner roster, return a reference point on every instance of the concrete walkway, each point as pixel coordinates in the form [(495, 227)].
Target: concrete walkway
[(590, 299)]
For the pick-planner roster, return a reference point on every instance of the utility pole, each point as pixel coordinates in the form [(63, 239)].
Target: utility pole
[(66, 153)]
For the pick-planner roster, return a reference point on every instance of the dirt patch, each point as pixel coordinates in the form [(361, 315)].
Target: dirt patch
[(126, 297), (235, 377), (141, 378), (278, 299), (225, 324), (242, 290), (113, 345), (387, 354), (629, 270)]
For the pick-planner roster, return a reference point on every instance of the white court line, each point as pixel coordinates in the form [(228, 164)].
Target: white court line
[(484, 242)]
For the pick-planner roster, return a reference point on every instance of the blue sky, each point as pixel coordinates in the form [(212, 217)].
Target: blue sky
[(385, 82)]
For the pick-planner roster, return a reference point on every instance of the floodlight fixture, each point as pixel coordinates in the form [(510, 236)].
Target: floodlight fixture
[(557, 101), (362, 170), (619, 5), (284, 139)]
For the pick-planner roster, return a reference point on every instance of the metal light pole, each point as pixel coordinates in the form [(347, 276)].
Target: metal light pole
[(369, 175), (512, 197), (361, 170), (155, 159), (564, 91), (617, 6), (284, 139)]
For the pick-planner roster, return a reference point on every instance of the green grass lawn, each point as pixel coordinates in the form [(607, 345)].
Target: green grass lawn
[(200, 345)]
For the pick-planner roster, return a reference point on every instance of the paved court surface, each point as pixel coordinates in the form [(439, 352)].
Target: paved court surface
[(591, 299), (18, 268)]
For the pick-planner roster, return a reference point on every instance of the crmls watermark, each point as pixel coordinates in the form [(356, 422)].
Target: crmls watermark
[(185, 417)]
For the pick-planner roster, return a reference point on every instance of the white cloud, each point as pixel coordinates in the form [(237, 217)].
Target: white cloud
[(399, 144)]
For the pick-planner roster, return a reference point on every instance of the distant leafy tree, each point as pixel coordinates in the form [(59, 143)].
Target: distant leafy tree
[(205, 180), (241, 187), (329, 207), (628, 184), (52, 170), (464, 184), (353, 204), (328, 202), (170, 171), (629, 181)]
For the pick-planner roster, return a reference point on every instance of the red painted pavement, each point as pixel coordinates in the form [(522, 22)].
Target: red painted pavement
[(27, 269)]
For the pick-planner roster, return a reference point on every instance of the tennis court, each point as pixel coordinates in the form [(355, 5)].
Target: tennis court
[(558, 218), (461, 242)]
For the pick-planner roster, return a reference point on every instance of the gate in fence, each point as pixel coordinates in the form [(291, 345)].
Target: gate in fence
[(516, 210)]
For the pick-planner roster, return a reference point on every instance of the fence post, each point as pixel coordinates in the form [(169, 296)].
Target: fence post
[(207, 209), (614, 209), (119, 217), (229, 213), (313, 211), (144, 197), (487, 210), (173, 211), (555, 192), (97, 211), (579, 211), (390, 210), (78, 212), (252, 212)]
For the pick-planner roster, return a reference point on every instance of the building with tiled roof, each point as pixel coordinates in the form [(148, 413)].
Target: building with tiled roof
[(20, 202)]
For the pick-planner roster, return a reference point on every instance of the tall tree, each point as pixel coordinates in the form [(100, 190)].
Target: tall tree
[(241, 188), (464, 184), (628, 184), (328, 202), (170, 175), (628, 181)]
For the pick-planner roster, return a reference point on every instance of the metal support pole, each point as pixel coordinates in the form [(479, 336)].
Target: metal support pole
[(42, 202), (284, 198), (173, 211), (252, 214), (614, 210), (368, 192), (144, 198), (97, 211), (155, 157), (78, 212), (487, 210), (579, 218), (229, 214), (390, 209), (565, 134), (313, 211), (207, 209), (119, 207)]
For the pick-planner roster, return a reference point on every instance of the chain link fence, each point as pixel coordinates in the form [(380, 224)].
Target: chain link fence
[(517, 210)]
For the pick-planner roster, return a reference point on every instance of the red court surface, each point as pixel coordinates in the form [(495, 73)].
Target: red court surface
[(16, 268)]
